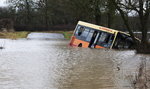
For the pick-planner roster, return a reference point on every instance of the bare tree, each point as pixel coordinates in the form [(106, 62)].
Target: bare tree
[(6, 25), (110, 12), (140, 8)]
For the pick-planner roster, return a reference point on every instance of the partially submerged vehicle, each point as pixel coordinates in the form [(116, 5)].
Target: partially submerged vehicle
[(88, 35)]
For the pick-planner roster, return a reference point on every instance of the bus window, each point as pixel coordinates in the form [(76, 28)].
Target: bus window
[(89, 37), (105, 39), (85, 34)]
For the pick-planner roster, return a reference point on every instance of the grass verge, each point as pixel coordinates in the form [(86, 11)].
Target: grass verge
[(23, 34), (67, 35), (14, 35)]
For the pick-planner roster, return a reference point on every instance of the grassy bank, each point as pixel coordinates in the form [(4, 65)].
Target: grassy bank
[(67, 35), (14, 35), (23, 34)]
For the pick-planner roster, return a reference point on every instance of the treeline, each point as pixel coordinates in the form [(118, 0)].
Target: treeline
[(63, 14), (126, 15)]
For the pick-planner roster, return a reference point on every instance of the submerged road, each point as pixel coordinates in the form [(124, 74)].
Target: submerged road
[(46, 36), (49, 63)]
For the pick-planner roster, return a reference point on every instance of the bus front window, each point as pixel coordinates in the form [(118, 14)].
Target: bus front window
[(79, 30), (82, 33)]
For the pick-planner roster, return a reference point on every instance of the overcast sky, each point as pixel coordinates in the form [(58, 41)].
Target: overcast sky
[(2, 3)]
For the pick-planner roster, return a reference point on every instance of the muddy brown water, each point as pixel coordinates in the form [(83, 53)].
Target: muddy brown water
[(51, 64)]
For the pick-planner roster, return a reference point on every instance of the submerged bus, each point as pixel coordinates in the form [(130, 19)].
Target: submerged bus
[(88, 35)]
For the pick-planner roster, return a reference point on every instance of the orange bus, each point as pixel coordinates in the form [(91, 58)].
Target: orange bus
[(88, 35)]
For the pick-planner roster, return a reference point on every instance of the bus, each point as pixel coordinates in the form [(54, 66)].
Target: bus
[(88, 35)]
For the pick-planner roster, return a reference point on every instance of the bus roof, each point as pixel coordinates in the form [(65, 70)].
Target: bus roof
[(97, 27)]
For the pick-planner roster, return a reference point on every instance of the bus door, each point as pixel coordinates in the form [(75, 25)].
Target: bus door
[(94, 39)]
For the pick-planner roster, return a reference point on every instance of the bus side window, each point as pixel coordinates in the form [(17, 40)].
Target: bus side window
[(89, 37), (85, 33), (105, 39), (111, 39)]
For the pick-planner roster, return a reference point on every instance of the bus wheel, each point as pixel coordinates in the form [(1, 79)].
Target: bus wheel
[(80, 45)]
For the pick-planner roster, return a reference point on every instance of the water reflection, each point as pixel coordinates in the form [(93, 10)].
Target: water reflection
[(50, 64)]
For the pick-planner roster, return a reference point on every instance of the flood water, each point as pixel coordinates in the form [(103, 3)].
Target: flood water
[(51, 64)]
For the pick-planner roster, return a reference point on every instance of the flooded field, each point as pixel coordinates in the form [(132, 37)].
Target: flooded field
[(51, 64)]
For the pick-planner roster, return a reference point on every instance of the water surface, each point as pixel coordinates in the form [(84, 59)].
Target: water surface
[(51, 64)]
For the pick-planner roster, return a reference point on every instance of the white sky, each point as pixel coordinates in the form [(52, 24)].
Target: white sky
[(3, 3)]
